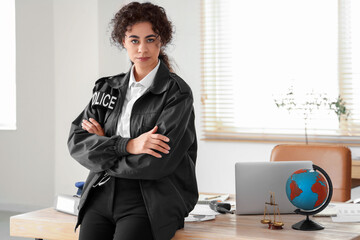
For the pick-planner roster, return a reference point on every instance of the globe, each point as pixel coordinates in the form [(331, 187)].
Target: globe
[(307, 189), (310, 191)]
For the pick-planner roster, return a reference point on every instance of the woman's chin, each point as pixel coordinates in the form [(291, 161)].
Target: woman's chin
[(145, 63)]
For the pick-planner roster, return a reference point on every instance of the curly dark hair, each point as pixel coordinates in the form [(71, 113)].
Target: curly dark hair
[(136, 12)]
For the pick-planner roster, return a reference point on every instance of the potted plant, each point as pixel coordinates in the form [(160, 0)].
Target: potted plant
[(311, 102)]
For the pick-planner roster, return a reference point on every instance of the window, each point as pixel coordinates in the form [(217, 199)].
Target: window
[(7, 63), (254, 52)]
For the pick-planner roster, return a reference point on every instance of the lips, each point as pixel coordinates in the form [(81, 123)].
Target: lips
[(143, 59)]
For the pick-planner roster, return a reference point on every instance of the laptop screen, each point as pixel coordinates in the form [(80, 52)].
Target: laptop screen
[(255, 181)]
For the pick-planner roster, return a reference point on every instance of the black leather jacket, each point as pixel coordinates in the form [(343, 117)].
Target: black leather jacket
[(168, 184)]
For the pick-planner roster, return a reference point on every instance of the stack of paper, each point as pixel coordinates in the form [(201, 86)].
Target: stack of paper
[(341, 212), (199, 218), (201, 212), (347, 213), (329, 211)]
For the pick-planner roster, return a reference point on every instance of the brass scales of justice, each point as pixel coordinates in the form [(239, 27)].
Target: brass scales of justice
[(276, 223)]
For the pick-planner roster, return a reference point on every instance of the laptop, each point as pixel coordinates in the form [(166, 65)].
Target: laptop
[(255, 181)]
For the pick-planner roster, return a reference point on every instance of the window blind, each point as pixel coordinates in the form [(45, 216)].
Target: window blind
[(254, 53), (349, 63), (7, 66)]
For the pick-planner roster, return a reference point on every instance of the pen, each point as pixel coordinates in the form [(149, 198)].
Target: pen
[(208, 198)]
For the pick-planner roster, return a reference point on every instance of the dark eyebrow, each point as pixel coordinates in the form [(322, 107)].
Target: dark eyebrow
[(149, 36)]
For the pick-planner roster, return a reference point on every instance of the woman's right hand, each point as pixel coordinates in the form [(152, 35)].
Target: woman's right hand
[(148, 142), (92, 126)]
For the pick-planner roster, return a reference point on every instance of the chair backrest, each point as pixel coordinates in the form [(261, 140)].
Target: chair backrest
[(334, 159)]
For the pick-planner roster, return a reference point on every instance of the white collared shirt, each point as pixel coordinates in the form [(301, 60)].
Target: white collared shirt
[(134, 91)]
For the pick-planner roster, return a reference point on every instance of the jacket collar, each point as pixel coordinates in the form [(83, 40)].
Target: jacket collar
[(119, 81), (159, 85), (161, 81), (147, 81)]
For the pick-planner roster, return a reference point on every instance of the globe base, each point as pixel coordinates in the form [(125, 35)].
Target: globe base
[(307, 225)]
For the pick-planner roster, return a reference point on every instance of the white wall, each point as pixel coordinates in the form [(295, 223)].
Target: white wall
[(76, 70), (27, 154)]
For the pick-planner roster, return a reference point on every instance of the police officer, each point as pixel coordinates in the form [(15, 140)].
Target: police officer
[(137, 137)]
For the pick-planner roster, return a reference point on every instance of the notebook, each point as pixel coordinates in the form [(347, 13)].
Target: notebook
[(255, 180)]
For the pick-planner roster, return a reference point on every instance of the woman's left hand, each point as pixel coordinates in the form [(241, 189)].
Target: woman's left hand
[(92, 126)]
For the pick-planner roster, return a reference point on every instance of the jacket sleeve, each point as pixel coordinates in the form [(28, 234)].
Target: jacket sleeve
[(96, 153), (177, 123)]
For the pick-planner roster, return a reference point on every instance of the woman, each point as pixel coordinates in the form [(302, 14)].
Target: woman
[(137, 138)]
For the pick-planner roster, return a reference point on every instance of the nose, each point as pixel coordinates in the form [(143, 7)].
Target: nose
[(142, 47)]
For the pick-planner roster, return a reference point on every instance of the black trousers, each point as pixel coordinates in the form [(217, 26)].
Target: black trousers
[(116, 211)]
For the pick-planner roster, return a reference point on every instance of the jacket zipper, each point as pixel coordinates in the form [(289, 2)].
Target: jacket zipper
[(140, 182), (146, 92)]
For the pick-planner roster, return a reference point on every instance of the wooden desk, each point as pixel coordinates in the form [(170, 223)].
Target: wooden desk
[(51, 224), (248, 227), (44, 224)]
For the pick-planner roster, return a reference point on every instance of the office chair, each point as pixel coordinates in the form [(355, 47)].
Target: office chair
[(334, 159)]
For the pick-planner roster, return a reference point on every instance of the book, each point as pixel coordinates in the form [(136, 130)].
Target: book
[(67, 203)]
